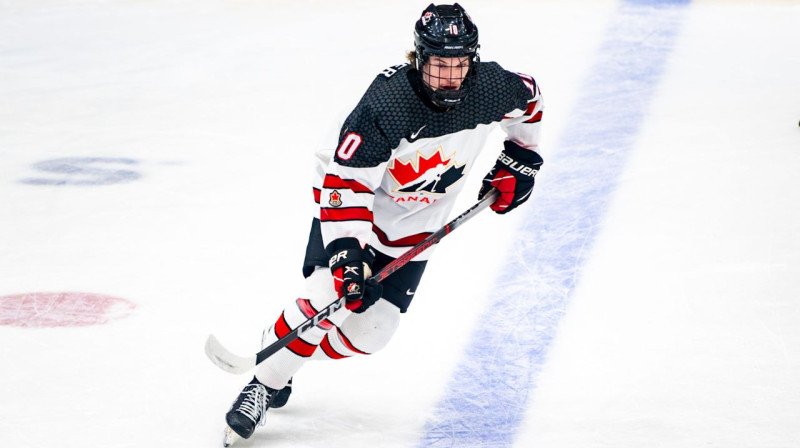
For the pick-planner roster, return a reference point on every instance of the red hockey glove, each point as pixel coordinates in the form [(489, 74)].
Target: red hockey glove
[(513, 175), (350, 266)]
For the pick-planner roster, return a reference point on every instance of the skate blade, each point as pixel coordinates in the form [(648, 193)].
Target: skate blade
[(230, 437)]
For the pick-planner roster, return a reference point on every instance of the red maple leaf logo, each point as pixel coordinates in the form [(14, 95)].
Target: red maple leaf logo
[(407, 172)]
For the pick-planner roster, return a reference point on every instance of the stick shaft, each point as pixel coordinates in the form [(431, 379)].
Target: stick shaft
[(387, 270), (226, 360)]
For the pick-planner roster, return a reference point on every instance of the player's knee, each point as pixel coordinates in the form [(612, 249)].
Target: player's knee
[(372, 330)]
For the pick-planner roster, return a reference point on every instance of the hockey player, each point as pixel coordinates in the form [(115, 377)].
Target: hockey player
[(392, 180)]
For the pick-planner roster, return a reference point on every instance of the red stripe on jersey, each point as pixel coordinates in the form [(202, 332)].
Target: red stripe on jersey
[(535, 119), (529, 82), (328, 349), (308, 310), (348, 343), (299, 347), (529, 85), (345, 214), (528, 111), (411, 240), (531, 108), (317, 194), (334, 182)]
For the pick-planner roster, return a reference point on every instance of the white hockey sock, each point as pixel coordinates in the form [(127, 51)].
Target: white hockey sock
[(276, 371)]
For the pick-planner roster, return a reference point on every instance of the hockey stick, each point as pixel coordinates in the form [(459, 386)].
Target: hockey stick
[(230, 362)]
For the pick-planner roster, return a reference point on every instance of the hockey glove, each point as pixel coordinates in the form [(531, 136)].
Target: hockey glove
[(513, 175), (350, 266)]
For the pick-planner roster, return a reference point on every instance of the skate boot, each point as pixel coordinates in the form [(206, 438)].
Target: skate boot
[(248, 411), (280, 397)]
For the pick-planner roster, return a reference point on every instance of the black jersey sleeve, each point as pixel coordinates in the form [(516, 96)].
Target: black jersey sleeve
[(362, 142), (523, 125)]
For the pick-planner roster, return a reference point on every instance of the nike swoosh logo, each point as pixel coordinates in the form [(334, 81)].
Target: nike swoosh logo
[(410, 292), (414, 135)]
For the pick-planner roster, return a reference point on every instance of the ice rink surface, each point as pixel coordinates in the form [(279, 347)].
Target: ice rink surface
[(155, 168)]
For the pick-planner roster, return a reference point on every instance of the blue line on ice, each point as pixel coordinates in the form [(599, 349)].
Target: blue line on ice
[(486, 400)]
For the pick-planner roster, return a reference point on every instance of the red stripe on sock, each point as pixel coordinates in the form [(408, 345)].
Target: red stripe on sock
[(348, 343), (281, 327), (309, 311), (328, 349), (299, 347)]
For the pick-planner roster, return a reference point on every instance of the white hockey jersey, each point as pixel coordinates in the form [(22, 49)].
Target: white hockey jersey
[(399, 164)]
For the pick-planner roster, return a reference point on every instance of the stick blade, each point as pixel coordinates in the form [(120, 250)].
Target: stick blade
[(227, 360)]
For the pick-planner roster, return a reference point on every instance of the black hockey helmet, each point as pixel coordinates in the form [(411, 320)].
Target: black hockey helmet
[(446, 31)]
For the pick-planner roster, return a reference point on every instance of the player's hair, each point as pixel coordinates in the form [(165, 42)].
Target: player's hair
[(411, 57)]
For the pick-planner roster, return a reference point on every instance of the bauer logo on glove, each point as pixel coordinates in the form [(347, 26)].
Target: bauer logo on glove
[(513, 176), (520, 168)]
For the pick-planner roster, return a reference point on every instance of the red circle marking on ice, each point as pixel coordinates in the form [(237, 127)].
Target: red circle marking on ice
[(61, 309)]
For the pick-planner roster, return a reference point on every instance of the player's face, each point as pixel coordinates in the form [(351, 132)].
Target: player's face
[(445, 73)]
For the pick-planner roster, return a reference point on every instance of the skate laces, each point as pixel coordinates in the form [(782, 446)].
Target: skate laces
[(255, 403)]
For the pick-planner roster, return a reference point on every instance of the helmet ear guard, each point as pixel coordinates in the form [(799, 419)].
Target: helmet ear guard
[(446, 31)]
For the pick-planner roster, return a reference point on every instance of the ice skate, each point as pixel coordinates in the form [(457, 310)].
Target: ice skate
[(248, 411), (230, 437), (280, 397)]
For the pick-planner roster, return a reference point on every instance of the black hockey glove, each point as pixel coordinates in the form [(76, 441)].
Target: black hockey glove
[(513, 175), (350, 266)]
